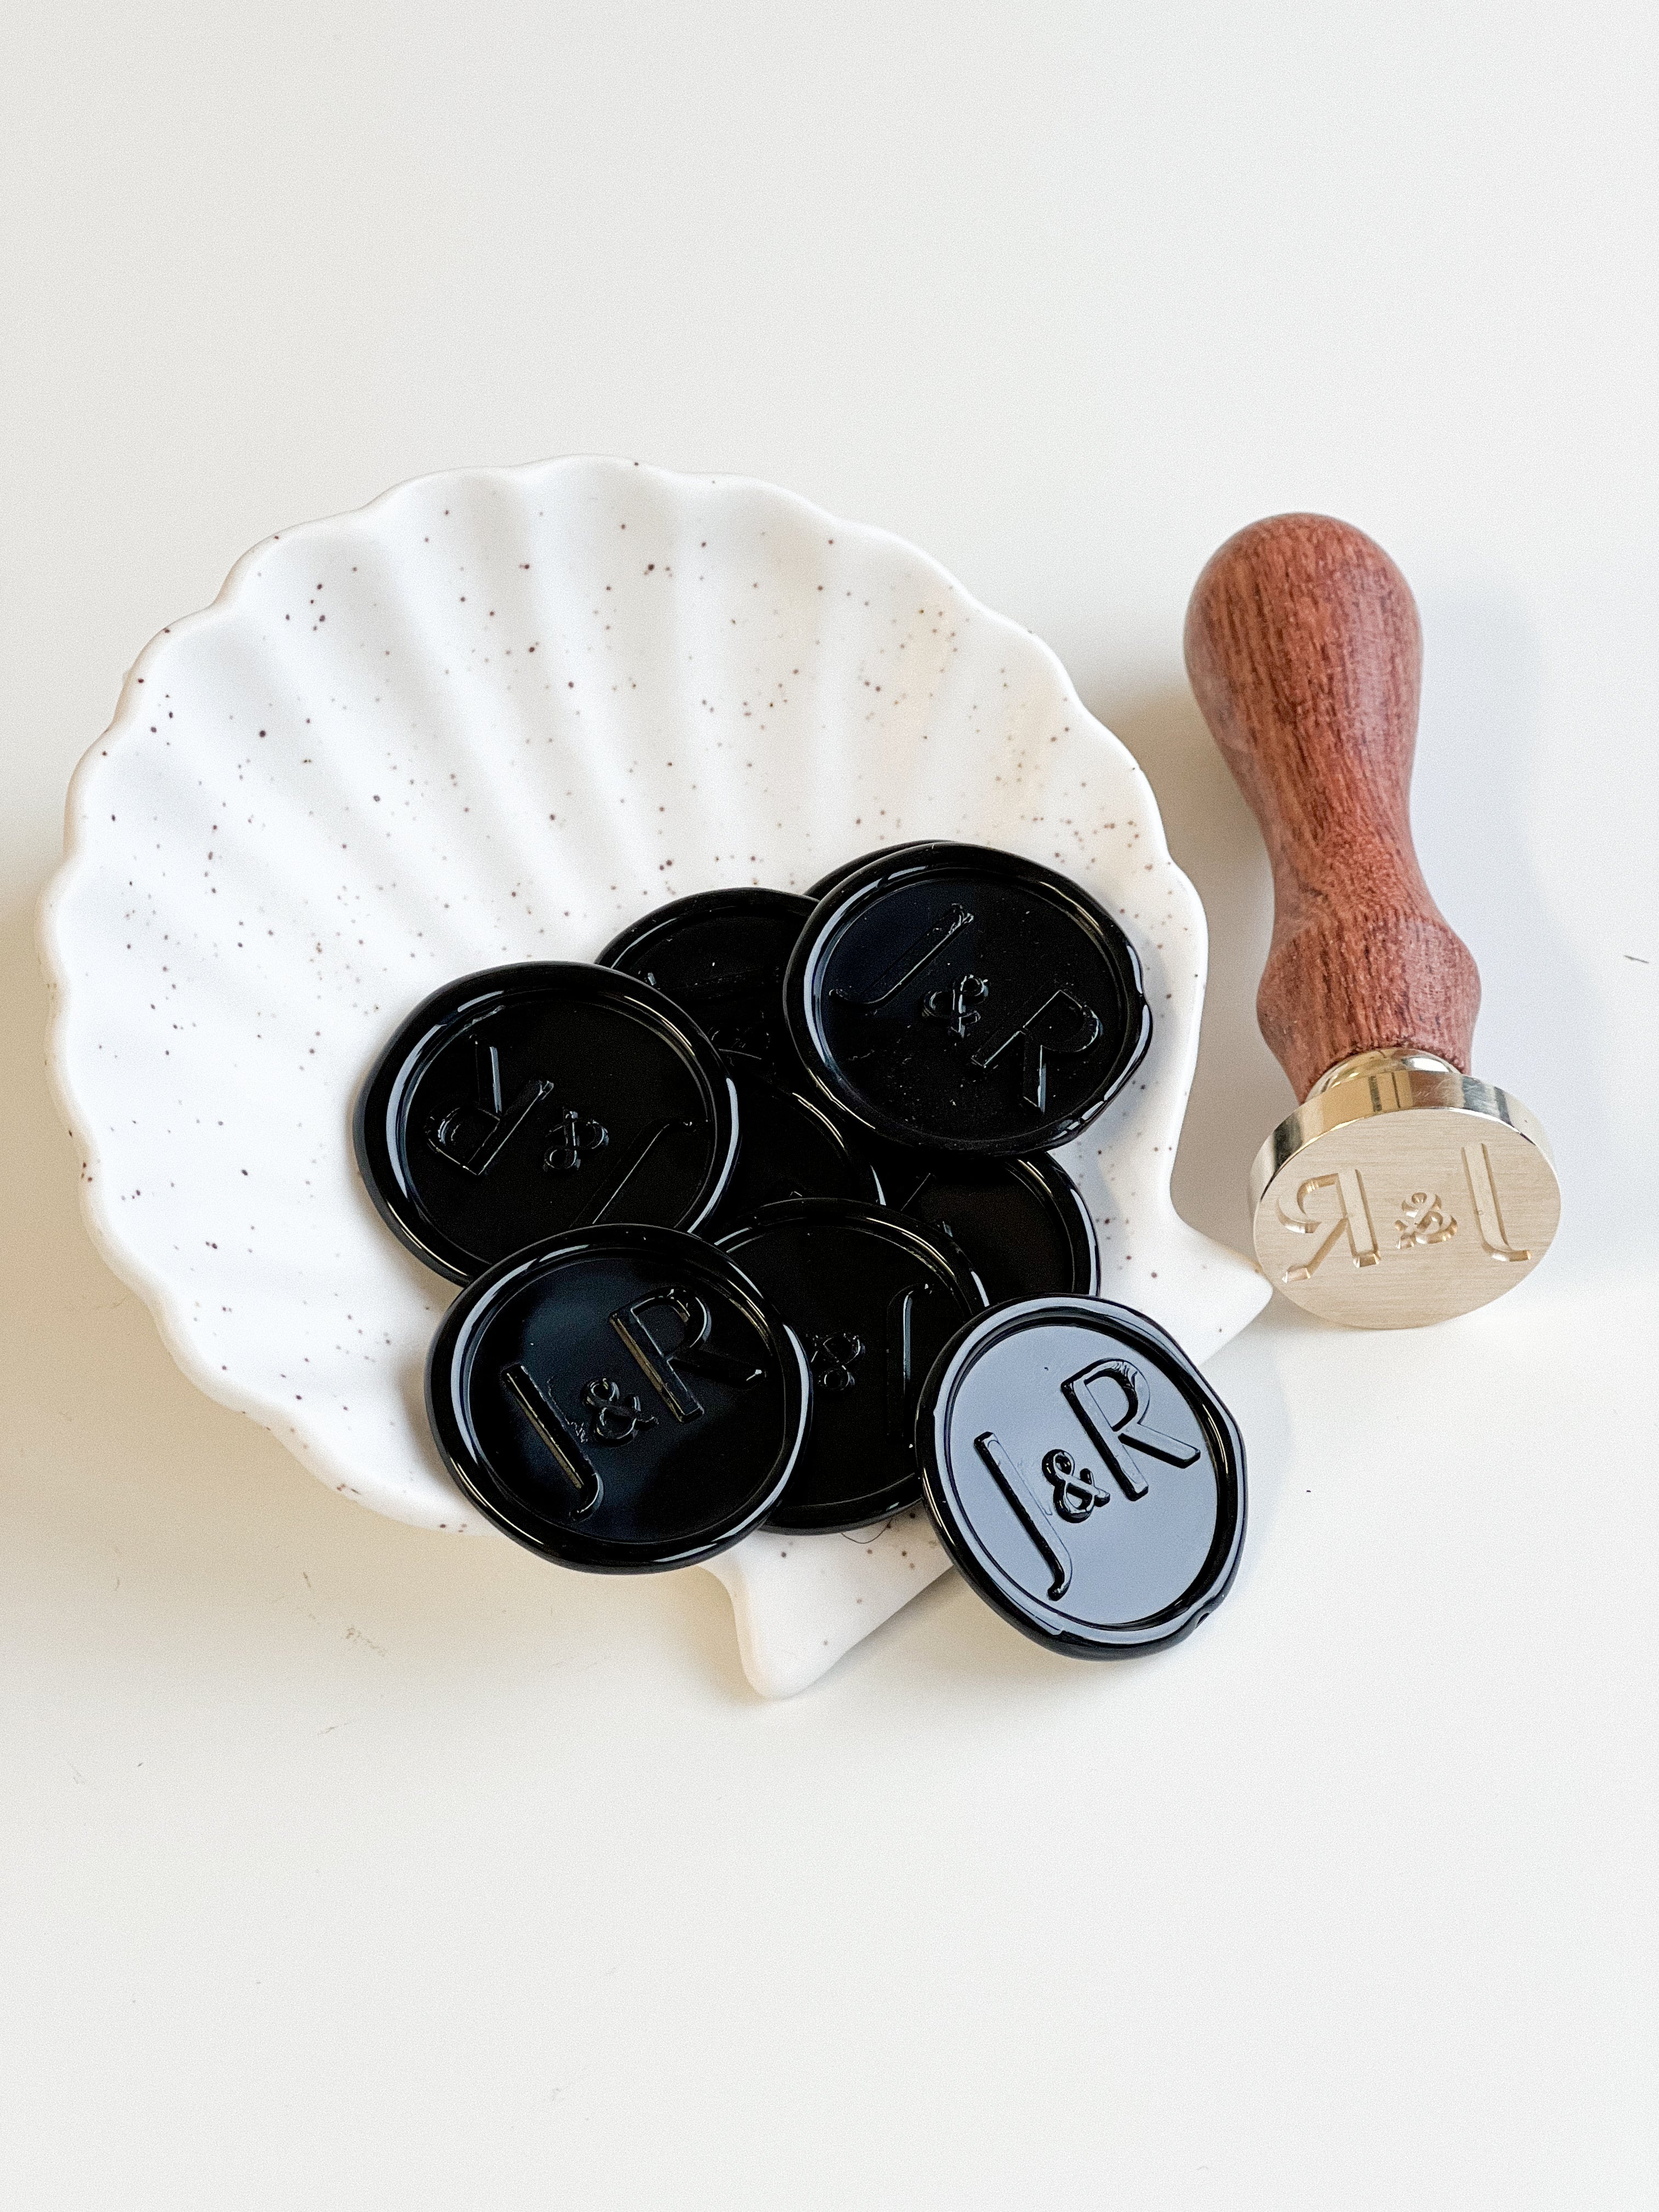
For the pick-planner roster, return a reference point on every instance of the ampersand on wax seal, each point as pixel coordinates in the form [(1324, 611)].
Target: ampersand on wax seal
[(1076, 1495), (616, 1418)]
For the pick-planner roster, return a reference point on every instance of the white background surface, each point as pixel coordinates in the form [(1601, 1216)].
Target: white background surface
[(350, 1865)]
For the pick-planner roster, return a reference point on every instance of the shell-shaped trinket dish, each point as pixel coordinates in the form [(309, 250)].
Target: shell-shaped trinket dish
[(495, 717)]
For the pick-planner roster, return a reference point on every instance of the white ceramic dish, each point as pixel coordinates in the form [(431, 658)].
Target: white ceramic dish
[(492, 717)]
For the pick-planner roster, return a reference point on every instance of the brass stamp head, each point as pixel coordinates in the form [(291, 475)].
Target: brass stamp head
[(1402, 1192)]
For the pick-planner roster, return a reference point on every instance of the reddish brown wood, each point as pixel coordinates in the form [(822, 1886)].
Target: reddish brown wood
[(1303, 648)]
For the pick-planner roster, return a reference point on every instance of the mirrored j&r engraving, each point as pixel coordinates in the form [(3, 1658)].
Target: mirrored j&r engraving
[(1488, 1213), (473, 1135), (1423, 1220), (1336, 1209), (1353, 1220), (578, 1135)]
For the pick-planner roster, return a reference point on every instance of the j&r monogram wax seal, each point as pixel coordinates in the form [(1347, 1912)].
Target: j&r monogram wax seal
[(962, 1000), (618, 1398), (523, 1101), (1402, 1189), (1084, 1475)]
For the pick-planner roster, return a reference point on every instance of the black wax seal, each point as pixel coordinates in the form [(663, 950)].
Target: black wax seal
[(1084, 1475), (618, 1398), (828, 882), (1023, 1224), (788, 1147), (721, 955), (873, 1298), (967, 1000), (522, 1102)]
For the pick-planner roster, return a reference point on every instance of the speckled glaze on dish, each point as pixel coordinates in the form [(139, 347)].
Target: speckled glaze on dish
[(495, 717)]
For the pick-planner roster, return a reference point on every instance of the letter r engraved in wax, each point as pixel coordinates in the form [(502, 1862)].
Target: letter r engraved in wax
[(661, 1363), (1131, 1427), (1058, 1026)]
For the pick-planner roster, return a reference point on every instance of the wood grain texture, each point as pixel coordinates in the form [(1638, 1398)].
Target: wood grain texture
[(1305, 653)]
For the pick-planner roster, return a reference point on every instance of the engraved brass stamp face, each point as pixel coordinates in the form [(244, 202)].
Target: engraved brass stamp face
[(1422, 1221), (1384, 1203)]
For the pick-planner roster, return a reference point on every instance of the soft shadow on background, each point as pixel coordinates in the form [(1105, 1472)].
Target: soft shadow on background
[(1239, 1091), (1478, 751)]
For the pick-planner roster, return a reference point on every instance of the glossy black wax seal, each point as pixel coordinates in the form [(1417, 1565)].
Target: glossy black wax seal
[(522, 1102), (721, 955), (788, 1147), (834, 876), (1083, 1476), (966, 1000), (873, 1298), (1022, 1223), (619, 1399)]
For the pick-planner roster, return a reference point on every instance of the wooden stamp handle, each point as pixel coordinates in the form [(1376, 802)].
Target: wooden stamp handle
[(1304, 651)]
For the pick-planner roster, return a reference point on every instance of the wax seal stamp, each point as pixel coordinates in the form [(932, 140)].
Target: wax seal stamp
[(1402, 1189)]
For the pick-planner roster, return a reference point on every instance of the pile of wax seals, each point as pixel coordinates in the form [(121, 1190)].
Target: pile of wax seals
[(758, 1225)]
